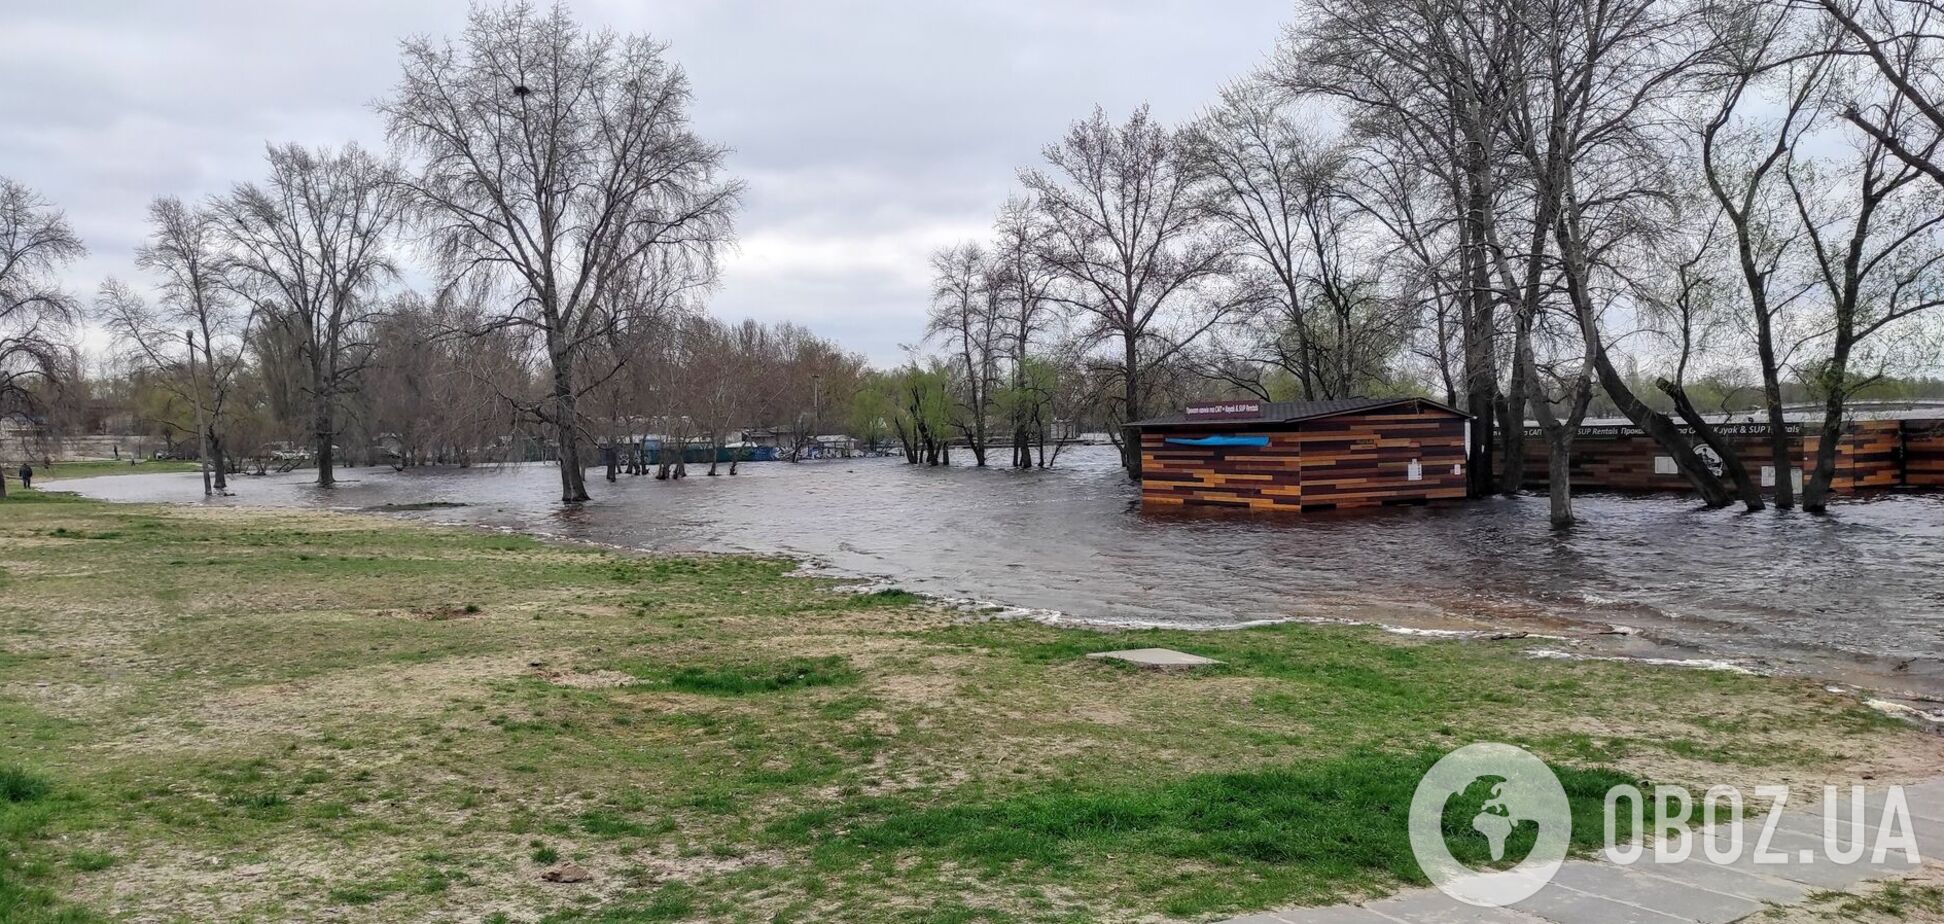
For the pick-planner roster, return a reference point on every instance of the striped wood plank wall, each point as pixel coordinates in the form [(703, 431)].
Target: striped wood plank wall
[(1353, 460), (1866, 459), (1866, 456), (1924, 453)]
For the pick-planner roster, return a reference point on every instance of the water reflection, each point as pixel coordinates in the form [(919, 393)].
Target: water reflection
[(1866, 582)]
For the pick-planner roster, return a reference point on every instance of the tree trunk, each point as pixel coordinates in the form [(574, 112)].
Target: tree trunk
[(1512, 449), (1659, 426), (1481, 389), (573, 479), (325, 433), (1559, 476), (1816, 489), (1780, 457), (1131, 396), (219, 457), (1751, 493), (978, 434), (202, 424), (1481, 374)]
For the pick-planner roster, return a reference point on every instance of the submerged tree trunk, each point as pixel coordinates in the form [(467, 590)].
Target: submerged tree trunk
[(1481, 373), (1657, 425), (1780, 457), (220, 459), (1559, 476), (566, 413), (1512, 469), (1731, 461), (202, 423), (325, 433), (1816, 487), (1661, 428), (1131, 395)]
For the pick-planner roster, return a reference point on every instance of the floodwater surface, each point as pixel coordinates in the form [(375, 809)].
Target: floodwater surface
[(1861, 587)]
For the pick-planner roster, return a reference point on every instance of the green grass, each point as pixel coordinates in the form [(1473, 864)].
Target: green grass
[(89, 861), (745, 679), (29, 809), (17, 785), (392, 722), (1286, 834)]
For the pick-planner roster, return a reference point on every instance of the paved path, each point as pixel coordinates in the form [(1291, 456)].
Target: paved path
[(1692, 892)]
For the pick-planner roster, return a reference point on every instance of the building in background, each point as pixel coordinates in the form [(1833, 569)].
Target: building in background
[(1304, 455)]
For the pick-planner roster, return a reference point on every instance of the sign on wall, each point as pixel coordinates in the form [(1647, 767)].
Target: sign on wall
[(1727, 429), (1224, 410)]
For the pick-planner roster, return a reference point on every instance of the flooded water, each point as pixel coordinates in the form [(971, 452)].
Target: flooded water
[(1862, 588)]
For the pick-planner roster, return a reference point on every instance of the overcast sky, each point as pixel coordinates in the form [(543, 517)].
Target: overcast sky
[(868, 132)]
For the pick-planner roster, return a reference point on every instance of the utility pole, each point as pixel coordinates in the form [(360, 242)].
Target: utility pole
[(202, 426)]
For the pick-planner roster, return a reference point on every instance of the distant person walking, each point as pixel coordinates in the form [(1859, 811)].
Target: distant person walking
[(26, 475)]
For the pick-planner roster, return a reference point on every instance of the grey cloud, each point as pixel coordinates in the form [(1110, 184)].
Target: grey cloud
[(868, 131)]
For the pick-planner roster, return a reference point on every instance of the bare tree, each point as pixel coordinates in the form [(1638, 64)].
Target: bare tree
[(555, 161), (1904, 43), (432, 398), (36, 243), (966, 314), (1129, 240), (717, 361), (1433, 77), (1876, 240), (1410, 199), (1024, 283), (1285, 194), (1561, 389), (1763, 53), (199, 321), (1601, 75), (1681, 286), (310, 246)]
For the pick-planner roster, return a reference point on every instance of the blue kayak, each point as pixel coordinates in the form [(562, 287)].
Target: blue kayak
[(1219, 440)]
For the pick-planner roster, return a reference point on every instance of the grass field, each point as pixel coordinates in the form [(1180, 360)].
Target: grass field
[(278, 716), (91, 469)]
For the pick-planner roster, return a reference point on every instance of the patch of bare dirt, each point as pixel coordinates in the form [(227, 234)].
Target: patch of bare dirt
[(407, 691), (588, 680)]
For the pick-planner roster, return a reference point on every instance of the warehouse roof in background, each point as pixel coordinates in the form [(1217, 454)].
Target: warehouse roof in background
[(1251, 411)]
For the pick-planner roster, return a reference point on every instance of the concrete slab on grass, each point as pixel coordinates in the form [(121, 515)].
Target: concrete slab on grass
[(1327, 914), (1747, 883), (1674, 899), (1430, 906), (1565, 906), (1156, 658)]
